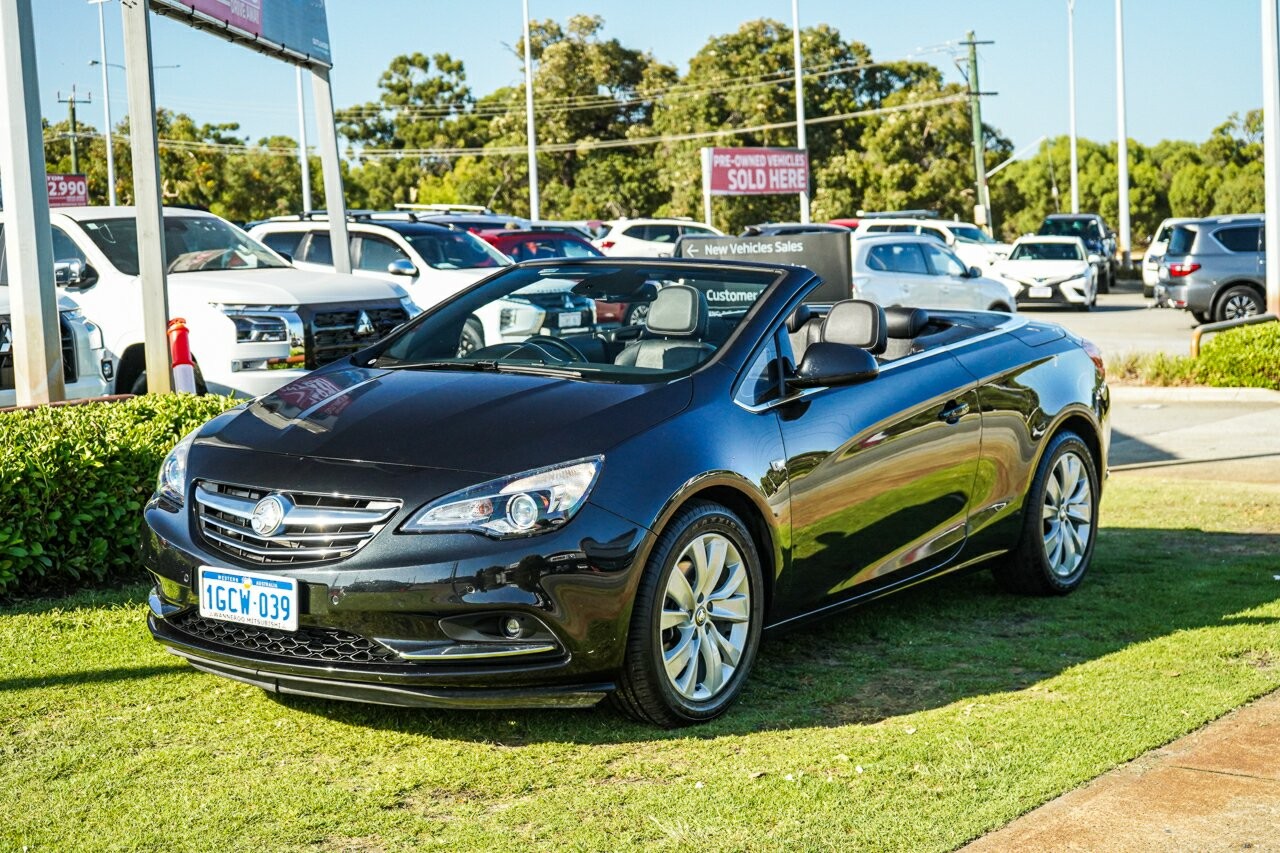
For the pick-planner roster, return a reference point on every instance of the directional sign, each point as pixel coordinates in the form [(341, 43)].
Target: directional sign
[(827, 254)]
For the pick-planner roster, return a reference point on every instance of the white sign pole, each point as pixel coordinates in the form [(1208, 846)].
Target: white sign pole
[(1122, 144), (1071, 100), (303, 160), (331, 163), (530, 132), (706, 185), (106, 104), (1271, 152), (147, 196), (801, 141), (37, 346)]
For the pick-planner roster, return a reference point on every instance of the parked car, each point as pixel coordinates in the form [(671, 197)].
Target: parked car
[(1098, 239), (649, 238), (86, 366), (545, 524), (907, 269), (1215, 268), (1155, 251), (536, 244), (254, 319), (585, 229), (433, 263), (1050, 271), (782, 229), (974, 247)]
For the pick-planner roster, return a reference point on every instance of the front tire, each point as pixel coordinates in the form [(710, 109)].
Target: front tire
[(1060, 523), (696, 624)]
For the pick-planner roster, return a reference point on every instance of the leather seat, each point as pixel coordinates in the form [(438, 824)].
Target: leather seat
[(903, 326), (858, 323), (677, 324)]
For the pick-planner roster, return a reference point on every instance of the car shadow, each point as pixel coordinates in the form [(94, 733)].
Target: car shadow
[(1130, 450), (935, 644)]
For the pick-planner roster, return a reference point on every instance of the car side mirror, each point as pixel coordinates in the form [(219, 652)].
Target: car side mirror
[(827, 364), (74, 274), (401, 266), (974, 272)]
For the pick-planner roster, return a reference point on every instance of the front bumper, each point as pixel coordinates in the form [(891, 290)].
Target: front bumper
[(1063, 293), (377, 626)]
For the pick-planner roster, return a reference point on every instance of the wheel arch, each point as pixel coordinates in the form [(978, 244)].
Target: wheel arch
[(1221, 291), (133, 361), (1080, 422)]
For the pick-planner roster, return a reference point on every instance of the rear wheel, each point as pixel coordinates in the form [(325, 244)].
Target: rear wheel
[(471, 339), (696, 622), (1060, 523), (1239, 301), (1201, 316), (637, 314)]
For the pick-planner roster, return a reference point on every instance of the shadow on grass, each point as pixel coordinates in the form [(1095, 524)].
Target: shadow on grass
[(932, 645), (93, 676)]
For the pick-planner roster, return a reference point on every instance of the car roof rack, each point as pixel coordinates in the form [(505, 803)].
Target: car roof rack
[(896, 214), (446, 208)]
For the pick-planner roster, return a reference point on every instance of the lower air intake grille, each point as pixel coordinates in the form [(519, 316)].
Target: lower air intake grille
[(315, 644)]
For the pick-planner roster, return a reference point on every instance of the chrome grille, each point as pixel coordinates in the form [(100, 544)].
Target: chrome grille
[(318, 644), (338, 333), (69, 364), (315, 527)]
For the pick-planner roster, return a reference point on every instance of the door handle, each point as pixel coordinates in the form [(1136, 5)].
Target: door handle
[(953, 412)]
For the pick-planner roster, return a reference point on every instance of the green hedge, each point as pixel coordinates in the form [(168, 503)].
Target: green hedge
[(1247, 357), (73, 480)]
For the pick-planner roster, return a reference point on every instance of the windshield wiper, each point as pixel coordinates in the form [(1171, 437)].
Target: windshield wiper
[(491, 366)]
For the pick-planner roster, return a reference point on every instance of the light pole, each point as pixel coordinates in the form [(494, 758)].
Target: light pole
[(1071, 98), (801, 142), (303, 160), (1122, 147), (106, 102), (528, 110), (1271, 152)]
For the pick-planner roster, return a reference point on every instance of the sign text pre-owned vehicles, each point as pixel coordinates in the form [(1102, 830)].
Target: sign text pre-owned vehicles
[(252, 316), (549, 521)]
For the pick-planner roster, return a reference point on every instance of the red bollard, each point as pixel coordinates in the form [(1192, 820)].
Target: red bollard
[(184, 370)]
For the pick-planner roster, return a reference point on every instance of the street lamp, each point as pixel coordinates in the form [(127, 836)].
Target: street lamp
[(1071, 97), (106, 101), (528, 109), (93, 62)]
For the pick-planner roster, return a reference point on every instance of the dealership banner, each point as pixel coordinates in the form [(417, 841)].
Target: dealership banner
[(298, 26), (828, 254), (67, 190), (756, 171)]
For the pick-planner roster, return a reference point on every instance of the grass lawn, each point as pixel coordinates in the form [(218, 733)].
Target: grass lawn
[(915, 723)]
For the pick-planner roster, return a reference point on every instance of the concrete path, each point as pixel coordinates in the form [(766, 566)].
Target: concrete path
[(1215, 789)]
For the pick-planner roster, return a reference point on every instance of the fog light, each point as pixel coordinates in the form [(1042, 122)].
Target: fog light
[(511, 628), (522, 511)]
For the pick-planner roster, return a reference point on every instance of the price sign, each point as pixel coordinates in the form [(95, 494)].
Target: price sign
[(67, 190)]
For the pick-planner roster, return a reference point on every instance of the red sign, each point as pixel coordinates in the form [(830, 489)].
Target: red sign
[(67, 190), (758, 171), (242, 14)]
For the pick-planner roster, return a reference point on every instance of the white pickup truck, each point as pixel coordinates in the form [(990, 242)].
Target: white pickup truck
[(85, 365), (255, 321)]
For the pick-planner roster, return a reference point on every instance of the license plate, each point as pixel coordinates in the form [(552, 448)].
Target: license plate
[(568, 321), (265, 601), (1041, 292)]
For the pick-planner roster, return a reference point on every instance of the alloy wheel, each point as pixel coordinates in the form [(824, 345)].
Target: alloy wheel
[(1068, 515), (705, 622), (1239, 305)]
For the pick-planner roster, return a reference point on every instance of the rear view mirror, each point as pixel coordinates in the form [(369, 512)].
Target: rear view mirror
[(974, 272), (827, 364), (74, 274)]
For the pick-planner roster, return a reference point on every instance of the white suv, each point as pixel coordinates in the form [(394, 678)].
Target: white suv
[(649, 238), (907, 269), (255, 321), (85, 366), (968, 241)]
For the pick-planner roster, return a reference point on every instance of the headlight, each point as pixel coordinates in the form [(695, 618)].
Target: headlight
[(171, 484), (259, 323), (519, 505)]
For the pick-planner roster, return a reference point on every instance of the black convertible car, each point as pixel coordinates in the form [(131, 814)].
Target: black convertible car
[(569, 513)]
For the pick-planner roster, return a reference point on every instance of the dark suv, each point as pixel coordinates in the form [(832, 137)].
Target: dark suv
[(1215, 268), (1097, 237)]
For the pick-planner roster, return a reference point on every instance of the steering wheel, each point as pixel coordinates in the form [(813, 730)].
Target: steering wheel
[(564, 351)]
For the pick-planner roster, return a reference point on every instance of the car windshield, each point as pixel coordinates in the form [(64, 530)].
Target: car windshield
[(1046, 252), (970, 234), (1084, 228), (191, 244), (542, 320), (455, 250)]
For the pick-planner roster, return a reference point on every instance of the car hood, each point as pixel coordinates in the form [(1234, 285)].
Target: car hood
[(285, 286), (488, 423), (64, 303), (1050, 271)]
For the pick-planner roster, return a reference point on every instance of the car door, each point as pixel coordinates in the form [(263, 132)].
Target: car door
[(954, 290), (880, 477), (920, 287)]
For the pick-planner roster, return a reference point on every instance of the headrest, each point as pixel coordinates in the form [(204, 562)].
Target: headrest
[(798, 318), (680, 311), (902, 322), (858, 323)]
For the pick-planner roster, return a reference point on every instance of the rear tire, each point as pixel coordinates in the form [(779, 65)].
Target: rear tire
[(696, 624), (1202, 317), (1060, 523), (1239, 301)]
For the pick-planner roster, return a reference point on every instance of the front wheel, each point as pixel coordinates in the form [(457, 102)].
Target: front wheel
[(1060, 523), (471, 339), (696, 622)]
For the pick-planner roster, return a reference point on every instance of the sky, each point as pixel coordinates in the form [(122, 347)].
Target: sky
[(1189, 63)]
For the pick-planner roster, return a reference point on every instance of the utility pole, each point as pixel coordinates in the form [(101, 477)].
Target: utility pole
[(1071, 99), (801, 141), (982, 197), (1122, 148), (75, 135)]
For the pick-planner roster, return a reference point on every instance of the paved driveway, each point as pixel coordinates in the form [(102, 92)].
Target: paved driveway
[(1122, 321)]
